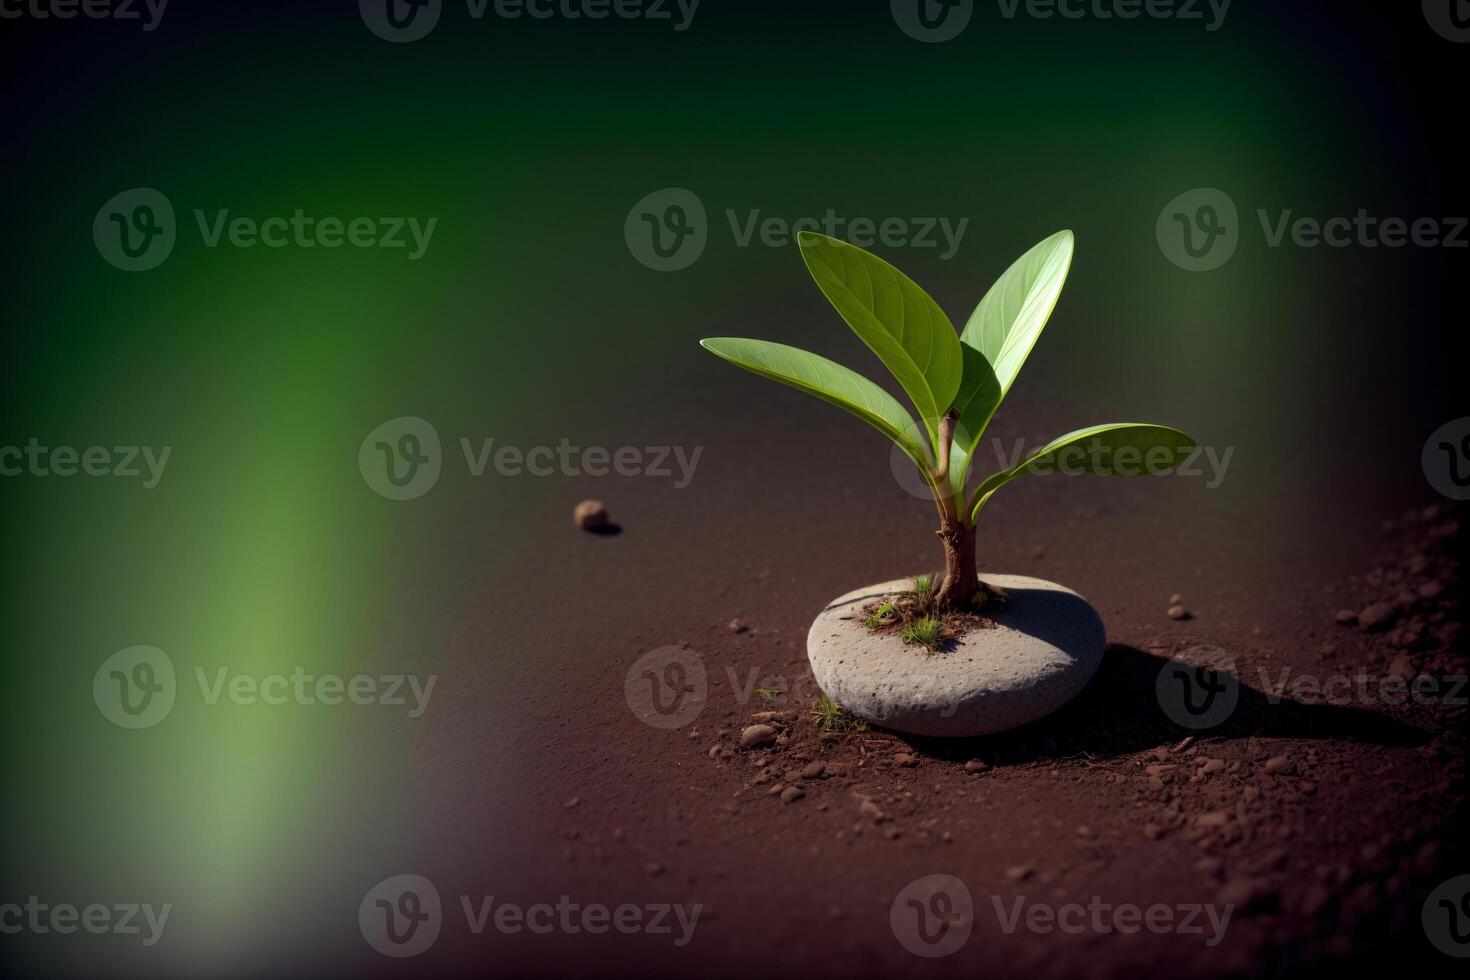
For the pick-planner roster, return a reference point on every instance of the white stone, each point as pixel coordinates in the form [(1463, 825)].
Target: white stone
[(1047, 645)]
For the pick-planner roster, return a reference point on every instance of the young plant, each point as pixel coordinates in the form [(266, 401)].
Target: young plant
[(955, 379), (924, 632), (830, 717), (878, 617)]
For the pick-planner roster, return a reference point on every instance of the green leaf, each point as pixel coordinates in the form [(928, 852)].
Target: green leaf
[(1003, 329), (1005, 325), (829, 381), (1114, 449), (978, 396), (895, 317)]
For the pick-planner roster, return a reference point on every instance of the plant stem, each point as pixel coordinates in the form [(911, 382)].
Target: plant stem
[(960, 583)]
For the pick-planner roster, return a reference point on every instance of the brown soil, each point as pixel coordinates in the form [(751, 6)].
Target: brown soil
[(1326, 824), (901, 609)]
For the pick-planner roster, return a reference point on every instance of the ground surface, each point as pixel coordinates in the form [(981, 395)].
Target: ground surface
[(1324, 825)]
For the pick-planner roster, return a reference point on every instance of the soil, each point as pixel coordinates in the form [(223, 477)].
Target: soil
[(904, 608), (1325, 825)]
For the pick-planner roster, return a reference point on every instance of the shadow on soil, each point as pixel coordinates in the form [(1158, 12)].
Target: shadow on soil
[(1139, 701)]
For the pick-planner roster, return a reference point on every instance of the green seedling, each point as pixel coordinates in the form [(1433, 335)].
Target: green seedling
[(923, 585), (923, 632), (955, 379), (830, 717), (879, 616)]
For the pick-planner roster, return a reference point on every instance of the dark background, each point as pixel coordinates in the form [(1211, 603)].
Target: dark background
[(528, 320)]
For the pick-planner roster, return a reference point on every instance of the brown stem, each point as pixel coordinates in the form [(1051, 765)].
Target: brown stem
[(946, 439), (961, 582)]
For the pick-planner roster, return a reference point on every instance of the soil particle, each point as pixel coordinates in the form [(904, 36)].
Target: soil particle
[(904, 759), (736, 626), (791, 794), (590, 515), (1280, 765), (1346, 617), (813, 770), (1019, 872), (976, 765), (1248, 895), (757, 736), (1177, 611), (1376, 617)]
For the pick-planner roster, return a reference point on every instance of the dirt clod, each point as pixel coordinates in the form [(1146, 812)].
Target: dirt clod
[(590, 515), (757, 736), (1376, 617)]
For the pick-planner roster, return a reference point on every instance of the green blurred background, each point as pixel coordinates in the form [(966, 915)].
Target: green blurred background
[(528, 320)]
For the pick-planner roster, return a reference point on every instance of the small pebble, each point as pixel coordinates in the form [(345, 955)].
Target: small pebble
[(1246, 895), (1376, 616), (1179, 612), (757, 736), (590, 515)]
